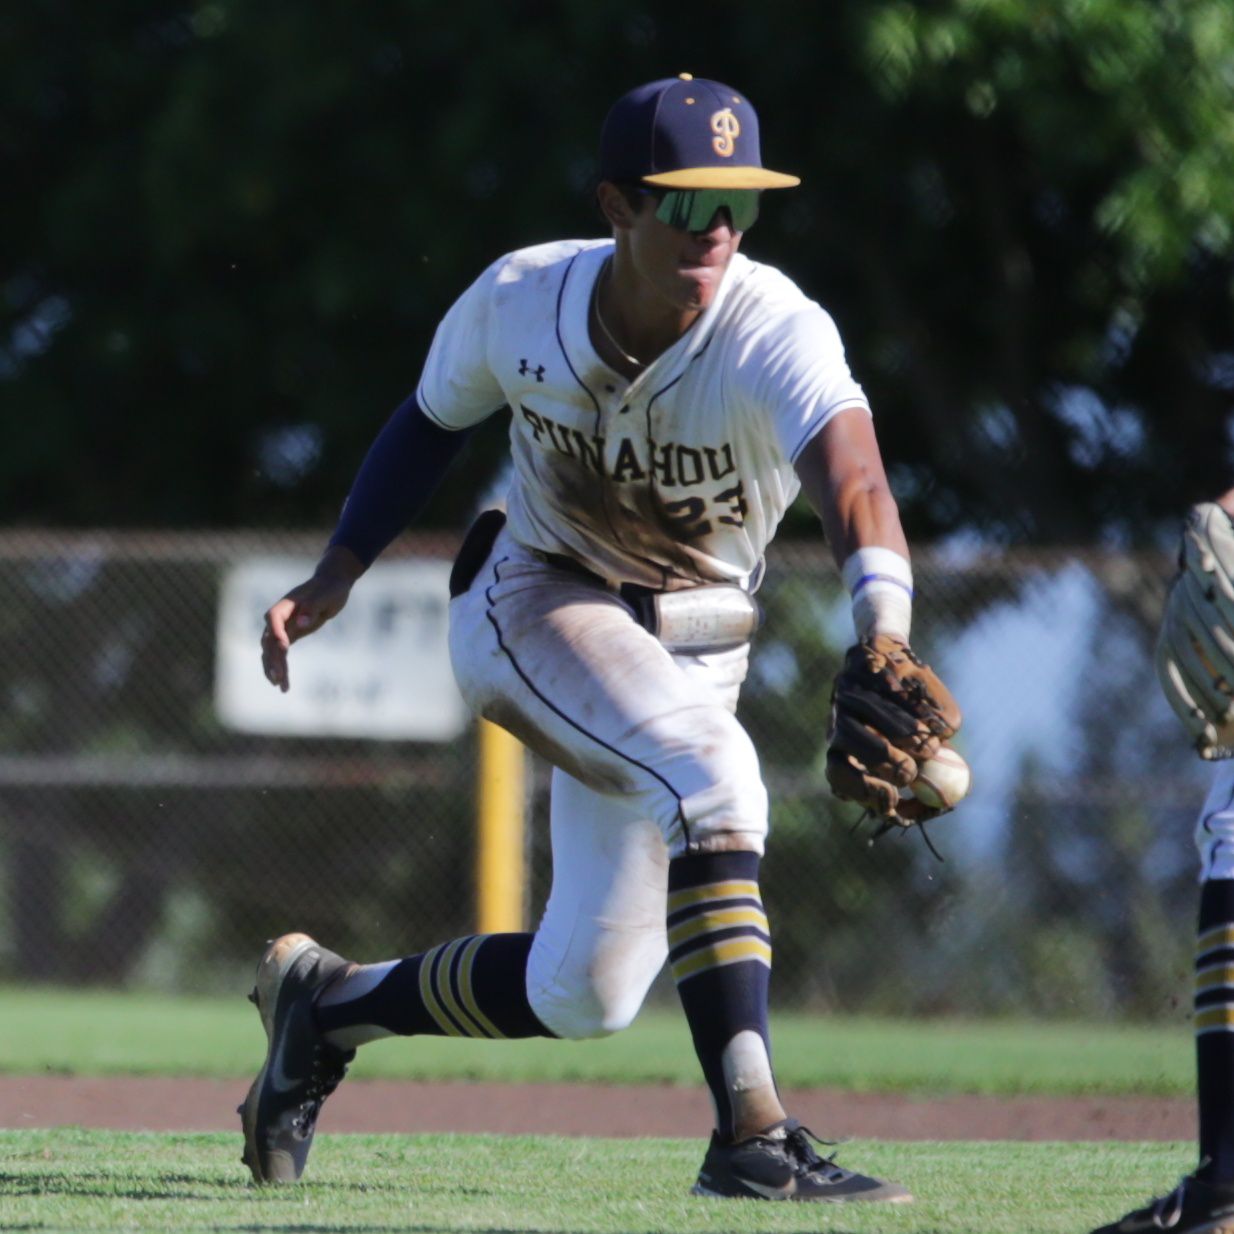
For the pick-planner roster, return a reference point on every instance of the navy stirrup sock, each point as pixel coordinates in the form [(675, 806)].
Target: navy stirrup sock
[(1214, 1030), (720, 953), (471, 987)]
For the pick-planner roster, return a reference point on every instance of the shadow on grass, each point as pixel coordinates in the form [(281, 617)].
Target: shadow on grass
[(94, 1191), (348, 1228), (100, 1185), (344, 1227)]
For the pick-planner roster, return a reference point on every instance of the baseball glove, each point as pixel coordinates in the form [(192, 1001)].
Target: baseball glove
[(889, 712), (1195, 648)]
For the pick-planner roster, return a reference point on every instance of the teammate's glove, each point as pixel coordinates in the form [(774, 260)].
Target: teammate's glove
[(1195, 649), (889, 712)]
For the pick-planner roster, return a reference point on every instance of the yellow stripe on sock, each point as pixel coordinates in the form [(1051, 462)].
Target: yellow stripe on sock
[(1213, 977), (445, 991), (1216, 936), (735, 888), (715, 919), (468, 994), (719, 954), (1215, 1019), (429, 999)]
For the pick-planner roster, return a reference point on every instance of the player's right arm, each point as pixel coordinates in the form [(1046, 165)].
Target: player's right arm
[(400, 473)]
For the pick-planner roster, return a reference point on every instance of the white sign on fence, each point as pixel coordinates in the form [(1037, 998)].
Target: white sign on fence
[(381, 668)]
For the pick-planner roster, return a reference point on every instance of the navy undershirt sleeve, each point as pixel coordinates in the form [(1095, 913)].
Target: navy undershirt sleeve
[(398, 476)]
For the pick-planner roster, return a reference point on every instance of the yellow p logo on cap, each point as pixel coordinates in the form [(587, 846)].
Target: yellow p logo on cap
[(726, 128)]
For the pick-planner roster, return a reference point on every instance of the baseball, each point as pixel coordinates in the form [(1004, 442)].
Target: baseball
[(942, 781)]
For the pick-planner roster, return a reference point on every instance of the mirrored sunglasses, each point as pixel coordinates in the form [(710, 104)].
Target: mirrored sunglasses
[(694, 209)]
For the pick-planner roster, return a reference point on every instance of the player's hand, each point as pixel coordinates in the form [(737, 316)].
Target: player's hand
[(889, 714), (304, 610)]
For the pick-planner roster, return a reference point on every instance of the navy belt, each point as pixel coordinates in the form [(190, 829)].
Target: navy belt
[(632, 593)]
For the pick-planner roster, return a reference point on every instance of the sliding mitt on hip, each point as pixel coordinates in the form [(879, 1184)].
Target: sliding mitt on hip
[(890, 713)]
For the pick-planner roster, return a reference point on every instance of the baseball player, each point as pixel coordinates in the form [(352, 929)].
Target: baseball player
[(668, 399), (1195, 664)]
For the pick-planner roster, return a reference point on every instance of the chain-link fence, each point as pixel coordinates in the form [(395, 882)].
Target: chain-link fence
[(145, 842)]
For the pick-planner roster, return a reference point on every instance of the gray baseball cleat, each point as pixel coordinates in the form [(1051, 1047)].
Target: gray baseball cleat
[(280, 1112), (1193, 1207), (781, 1164)]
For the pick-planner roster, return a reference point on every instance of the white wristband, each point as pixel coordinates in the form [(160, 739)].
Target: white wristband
[(881, 584)]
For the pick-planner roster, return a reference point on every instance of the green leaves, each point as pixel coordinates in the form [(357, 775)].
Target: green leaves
[(1141, 87), (249, 219)]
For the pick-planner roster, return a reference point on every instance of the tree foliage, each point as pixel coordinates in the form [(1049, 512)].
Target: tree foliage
[(240, 223)]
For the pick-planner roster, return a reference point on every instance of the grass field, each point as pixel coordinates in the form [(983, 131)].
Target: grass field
[(102, 1034), (74, 1179), (77, 1180)]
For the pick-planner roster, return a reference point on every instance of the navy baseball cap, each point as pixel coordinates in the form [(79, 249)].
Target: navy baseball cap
[(686, 133)]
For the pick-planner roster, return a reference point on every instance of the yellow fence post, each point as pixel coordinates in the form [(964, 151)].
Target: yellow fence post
[(501, 878)]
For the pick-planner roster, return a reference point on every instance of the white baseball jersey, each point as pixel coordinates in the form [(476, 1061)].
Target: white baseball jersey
[(676, 478)]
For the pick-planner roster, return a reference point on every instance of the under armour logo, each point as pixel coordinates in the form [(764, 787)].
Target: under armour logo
[(524, 368), (726, 128)]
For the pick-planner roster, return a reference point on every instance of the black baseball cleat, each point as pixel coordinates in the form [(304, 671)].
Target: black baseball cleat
[(781, 1164), (1193, 1207), (280, 1112)]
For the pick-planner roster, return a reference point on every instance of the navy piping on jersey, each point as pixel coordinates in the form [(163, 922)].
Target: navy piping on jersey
[(664, 570), (666, 389), (428, 411), (557, 711), (422, 402), (595, 402), (561, 292)]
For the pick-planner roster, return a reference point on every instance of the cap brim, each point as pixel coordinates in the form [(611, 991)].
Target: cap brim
[(722, 178)]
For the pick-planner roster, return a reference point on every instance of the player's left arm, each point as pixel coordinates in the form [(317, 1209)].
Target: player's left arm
[(798, 374), (890, 711)]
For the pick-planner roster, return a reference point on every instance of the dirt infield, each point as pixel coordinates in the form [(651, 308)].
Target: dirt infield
[(156, 1104)]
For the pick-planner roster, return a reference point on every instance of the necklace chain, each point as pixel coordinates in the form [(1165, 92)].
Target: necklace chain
[(608, 334)]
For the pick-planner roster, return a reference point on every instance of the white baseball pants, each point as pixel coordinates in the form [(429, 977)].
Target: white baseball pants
[(650, 763), (1214, 829)]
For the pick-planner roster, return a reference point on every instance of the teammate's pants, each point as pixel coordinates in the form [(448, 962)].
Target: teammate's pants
[(650, 763), (1214, 829), (1213, 1007)]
